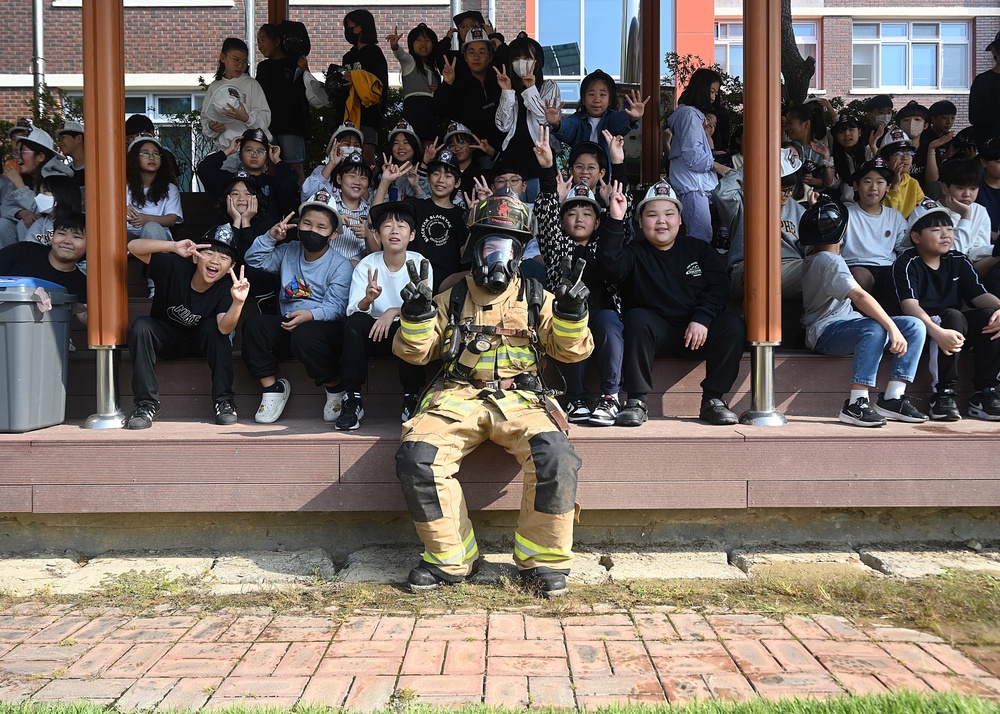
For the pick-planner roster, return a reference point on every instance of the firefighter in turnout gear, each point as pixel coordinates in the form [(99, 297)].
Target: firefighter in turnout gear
[(491, 332)]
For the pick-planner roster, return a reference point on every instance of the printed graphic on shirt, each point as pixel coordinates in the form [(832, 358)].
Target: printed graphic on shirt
[(693, 269), (43, 238), (790, 228), (435, 230), (180, 314), (298, 289)]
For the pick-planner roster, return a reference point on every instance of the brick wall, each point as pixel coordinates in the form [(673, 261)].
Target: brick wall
[(165, 40), (15, 103), (837, 66)]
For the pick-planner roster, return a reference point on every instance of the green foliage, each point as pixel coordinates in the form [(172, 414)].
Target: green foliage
[(322, 124), (855, 106), (679, 71)]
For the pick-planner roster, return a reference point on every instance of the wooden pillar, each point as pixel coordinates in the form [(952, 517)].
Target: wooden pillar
[(762, 141), (277, 11), (104, 117), (649, 23)]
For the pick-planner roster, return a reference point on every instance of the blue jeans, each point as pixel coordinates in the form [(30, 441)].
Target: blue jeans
[(867, 341)]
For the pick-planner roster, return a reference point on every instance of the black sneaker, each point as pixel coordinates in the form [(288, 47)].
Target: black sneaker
[(142, 416), (899, 409), (427, 577), (860, 413), (351, 414), (225, 412), (546, 582), (717, 413), (985, 404), (943, 406), (578, 411), (411, 402), (633, 414)]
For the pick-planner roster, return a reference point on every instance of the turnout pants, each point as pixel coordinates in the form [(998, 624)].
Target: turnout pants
[(454, 423), (149, 338)]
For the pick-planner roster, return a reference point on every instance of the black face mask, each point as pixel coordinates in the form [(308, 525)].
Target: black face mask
[(350, 35), (312, 241)]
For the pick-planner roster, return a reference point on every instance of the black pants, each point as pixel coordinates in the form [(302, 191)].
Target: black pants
[(648, 336), (149, 338), (318, 345), (359, 348), (985, 352)]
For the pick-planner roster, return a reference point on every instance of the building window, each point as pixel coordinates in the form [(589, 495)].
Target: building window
[(580, 36), (911, 55), (729, 46)]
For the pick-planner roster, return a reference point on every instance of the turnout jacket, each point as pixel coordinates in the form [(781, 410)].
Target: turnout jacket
[(508, 356)]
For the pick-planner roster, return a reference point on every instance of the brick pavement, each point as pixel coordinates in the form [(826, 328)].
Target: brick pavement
[(363, 662)]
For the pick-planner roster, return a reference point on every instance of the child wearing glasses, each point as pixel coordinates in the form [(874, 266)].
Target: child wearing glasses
[(234, 102), (904, 192), (278, 183), (151, 193)]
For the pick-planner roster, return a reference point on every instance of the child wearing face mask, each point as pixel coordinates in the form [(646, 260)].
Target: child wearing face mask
[(366, 55), (315, 283), (56, 194), (913, 119), (524, 95)]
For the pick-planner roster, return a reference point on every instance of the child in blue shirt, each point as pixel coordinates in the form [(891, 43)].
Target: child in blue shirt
[(598, 111)]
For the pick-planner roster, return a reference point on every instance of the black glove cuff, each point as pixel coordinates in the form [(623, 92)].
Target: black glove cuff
[(420, 317), (579, 312)]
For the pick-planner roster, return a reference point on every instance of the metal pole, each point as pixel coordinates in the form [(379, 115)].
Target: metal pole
[(103, 110), (251, 32), (762, 289), (491, 13), (109, 414), (456, 8), (38, 48)]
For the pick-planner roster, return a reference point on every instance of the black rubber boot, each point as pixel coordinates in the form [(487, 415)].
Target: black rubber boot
[(546, 582), (427, 576)]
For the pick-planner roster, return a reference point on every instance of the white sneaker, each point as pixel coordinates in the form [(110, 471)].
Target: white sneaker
[(272, 404), (334, 405)]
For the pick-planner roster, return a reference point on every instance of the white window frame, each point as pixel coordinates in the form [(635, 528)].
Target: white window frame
[(575, 78), (724, 39), (908, 42)]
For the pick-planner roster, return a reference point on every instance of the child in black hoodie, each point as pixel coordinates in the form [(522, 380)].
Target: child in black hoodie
[(674, 291)]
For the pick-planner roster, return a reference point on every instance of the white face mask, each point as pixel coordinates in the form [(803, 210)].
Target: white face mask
[(883, 118), (44, 203), (912, 127), (523, 67)]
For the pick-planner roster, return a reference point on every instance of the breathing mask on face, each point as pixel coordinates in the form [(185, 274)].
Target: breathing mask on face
[(313, 241), (496, 261)]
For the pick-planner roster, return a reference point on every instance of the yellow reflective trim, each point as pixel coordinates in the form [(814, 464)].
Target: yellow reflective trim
[(416, 329), (455, 556), (524, 549)]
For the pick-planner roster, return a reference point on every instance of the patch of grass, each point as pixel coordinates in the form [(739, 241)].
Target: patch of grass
[(407, 703), (960, 606)]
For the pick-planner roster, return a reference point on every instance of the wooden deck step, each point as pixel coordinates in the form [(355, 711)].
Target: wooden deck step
[(304, 465), (806, 384)]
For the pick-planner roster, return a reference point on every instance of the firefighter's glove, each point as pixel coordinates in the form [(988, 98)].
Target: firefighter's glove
[(418, 298), (571, 294)]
